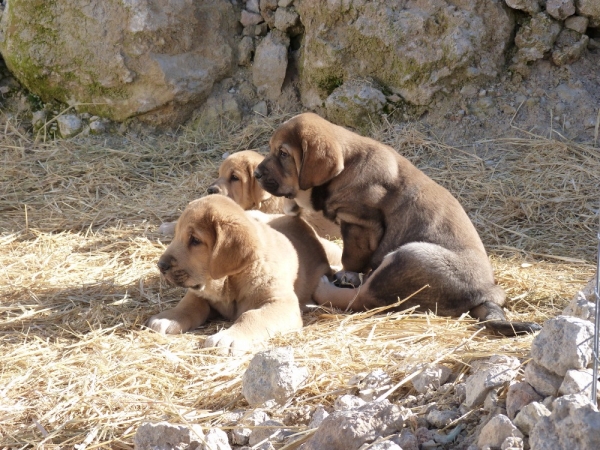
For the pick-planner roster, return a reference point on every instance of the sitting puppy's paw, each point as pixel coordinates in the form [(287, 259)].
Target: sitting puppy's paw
[(324, 291), (164, 325), (347, 279), (228, 343)]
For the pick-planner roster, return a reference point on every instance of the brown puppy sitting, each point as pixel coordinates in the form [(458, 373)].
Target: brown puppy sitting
[(236, 181), (242, 269), (399, 227)]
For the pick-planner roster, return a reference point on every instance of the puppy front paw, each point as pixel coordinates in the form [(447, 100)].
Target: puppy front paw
[(228, 342), (347, 279), (323, 291), (165, 325)]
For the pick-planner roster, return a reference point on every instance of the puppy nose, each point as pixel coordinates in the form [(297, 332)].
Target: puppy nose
[(213, 189), (258, 174), (164, 263)]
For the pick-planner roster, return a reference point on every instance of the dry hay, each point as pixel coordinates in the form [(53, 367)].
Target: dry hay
[(77, 278)]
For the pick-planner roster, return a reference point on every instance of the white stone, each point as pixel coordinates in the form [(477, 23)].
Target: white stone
[(431, 378), (272, 375), (253, 6), (285, 18), (216, 439), (495, 432), (577, 23), (152, 436), (345, 430), (497, 371), (543, 381), (530, 6), (248, 421), (318, 417), (573, 424), (248, 18), (529, 415), (270, 64), (580, 306), (439, 419), (271, 430), (564, 343), (373, 385), (347, 402), (69, 125), (560, 9), (577, 382)]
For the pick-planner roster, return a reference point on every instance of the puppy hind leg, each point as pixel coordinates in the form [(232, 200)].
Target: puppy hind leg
[(494, 319), (352, 299)]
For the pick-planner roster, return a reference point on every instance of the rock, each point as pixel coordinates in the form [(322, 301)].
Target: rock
[(249, 18), (560, 9), (590, 9), (348, 430), (385, 445), (529, 415), (569, 47), (577, 382), (69, 125), (267, 11), (245, 51), (261, 29), (495, 432), (241, 434), (529, 6), (406, 440), (163, 435), (542, 380), (219, 108), (580, 307), (564, 343), (439, 419), (271, 430), (495, 372), (318, 417), (125, 61), (38, 119), (270, 64), (519, 395), (272, 375), (286, 18), (261, 109), (355, 104), (415, 49), (98, 126), (577, 23), (347, 402), (431, 378), (253, 6), (536, 38), (285, 3), (512, 443), (573, 424), (374, 385), (216, 439)]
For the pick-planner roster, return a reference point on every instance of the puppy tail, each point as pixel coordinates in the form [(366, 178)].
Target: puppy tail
[(494, 319)]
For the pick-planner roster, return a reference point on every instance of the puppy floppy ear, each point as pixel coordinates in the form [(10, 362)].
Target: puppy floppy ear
[(321, 158), (234, 248)]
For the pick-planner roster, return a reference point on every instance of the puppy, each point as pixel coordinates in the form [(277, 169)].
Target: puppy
[(236, 181), (242, 269), (399, 227)]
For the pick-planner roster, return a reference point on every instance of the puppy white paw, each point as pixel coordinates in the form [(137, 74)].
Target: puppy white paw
[(228, 343), (323, 291), (164, 325)]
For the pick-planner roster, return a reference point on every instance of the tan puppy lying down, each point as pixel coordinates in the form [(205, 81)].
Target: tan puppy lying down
[(400, 228), (241, 269), (236, 181)]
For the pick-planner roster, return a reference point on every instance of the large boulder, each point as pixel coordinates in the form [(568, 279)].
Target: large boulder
[(121, 58), (414, 49)]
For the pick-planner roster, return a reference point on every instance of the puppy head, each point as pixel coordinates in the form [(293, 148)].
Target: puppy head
[(236, 180), (304, 153), (213, 239)]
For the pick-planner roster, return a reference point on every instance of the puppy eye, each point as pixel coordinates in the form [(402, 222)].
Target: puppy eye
[(194, 241), (234, 178), (282, 153)]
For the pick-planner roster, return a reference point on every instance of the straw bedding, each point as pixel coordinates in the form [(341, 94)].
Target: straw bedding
[(79, 243)]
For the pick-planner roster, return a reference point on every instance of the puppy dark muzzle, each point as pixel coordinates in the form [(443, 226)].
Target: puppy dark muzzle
[(213, 189), (165, 263)]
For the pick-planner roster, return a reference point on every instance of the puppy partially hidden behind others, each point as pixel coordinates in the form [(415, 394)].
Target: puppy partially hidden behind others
[(236, 181), (259, 275)]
